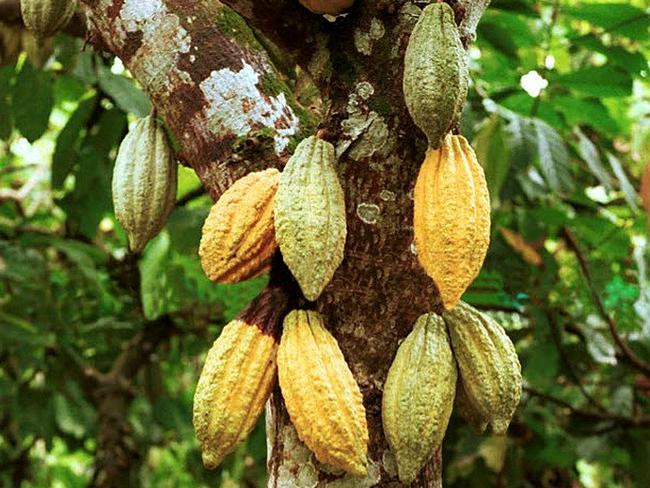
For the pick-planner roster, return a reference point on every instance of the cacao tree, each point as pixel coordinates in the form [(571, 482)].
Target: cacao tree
[(242, 86)]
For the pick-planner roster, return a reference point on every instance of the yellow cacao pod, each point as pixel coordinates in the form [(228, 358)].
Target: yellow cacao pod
[(310, 216), (238, 377), (331, 7), (435, 73), (47, 17), (419, 395), (238, 238), (144, 182), (451, 219), (323, 400), (488, 364)]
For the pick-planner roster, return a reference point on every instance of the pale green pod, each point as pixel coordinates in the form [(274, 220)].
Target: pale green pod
[(144, 182), (435, 73), (466, 410), (488, 364), (310, 225), (419, 395), (46, 17)]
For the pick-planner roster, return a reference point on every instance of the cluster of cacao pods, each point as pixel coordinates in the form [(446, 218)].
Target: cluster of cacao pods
[(144, 182), (463, 359), (46, 17), (451, 218), (240, 370), (301, 210)]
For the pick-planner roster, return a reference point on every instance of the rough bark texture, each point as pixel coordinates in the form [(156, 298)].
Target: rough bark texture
[(231, 113)]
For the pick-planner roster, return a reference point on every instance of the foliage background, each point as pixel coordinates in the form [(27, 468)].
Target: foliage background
[(559, 115)]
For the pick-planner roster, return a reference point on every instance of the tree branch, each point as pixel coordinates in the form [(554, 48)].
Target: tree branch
[(628, 354), (209, 79)]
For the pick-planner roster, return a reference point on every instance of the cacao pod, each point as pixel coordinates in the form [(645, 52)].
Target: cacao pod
[(310, 216), (435, 73), (238, 376), (47, 17), (467, 410), (10, 45), (331, 7), (38, 51), (144, 182), (451, 218), (488, 364), (238, 238), (323, 400), (419, 395)]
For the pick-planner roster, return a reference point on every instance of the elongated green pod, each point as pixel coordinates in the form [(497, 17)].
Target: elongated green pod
[(310, 225), (144, 182), (47, 17), (435, 73), (419, 395), (488, 364)]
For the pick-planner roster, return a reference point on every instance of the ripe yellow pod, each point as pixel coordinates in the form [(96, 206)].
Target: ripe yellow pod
[(331, 7), (451, 217), (323, 399), (238, 377), (310, 220), (238, 238), (419, 395), (488, 364)]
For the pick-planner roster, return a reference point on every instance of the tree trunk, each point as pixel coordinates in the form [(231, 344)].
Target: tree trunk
[(380, 289)]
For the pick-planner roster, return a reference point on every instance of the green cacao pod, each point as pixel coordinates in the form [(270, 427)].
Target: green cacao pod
[(488, 364), (238, 238), (238, 376), (331, 7), (435, 73), (47, 17), (310, 222), (466, 410), (451, 217), (419, 395), (144, 182), (323, 399)]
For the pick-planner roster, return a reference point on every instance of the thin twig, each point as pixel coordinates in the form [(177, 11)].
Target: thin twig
[(628, 354)]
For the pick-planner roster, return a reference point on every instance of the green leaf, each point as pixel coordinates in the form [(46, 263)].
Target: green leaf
[(494, 155), (32, 102), (589, 153), (634, 62), (123, 90), (66, 153), (629, 193), (603, 81), (6, 119), (620, 19), (590, 112)]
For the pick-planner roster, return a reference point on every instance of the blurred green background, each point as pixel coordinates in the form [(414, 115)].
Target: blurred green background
[(559, 114)]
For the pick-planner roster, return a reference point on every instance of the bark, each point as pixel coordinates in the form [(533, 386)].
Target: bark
[(212, 88)]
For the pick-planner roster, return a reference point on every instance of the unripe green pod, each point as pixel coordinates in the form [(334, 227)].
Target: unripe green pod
[(467, 411), (488, 364), (46, 17), (419, 395), (144, 182), (435, 73), (310, 225)]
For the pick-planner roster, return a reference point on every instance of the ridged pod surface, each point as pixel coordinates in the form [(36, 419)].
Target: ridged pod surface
[(47, 17), (238, 377), (488, 364), (467, 411), (331, 7), (144, 182), (310, 221), (238, 237), (451, 219), (435, 73), (419, 395), (323, 399)]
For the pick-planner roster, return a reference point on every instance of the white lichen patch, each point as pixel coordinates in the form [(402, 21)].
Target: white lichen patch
[(297, 469), (348, 481), (387, 196), (366, 132), (390, 463), (364, 40), (368, 213), (237, 106)]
